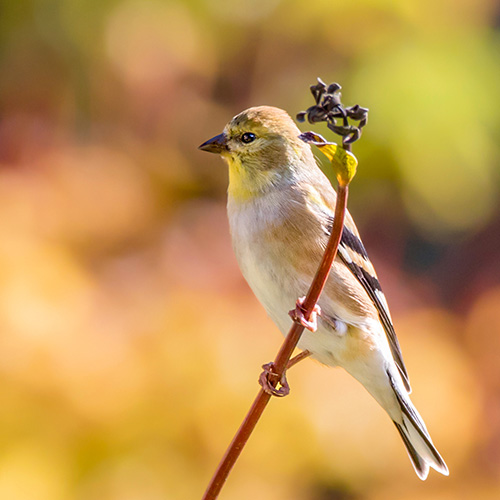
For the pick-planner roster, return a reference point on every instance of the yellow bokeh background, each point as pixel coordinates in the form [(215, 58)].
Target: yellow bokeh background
[(130, 345)]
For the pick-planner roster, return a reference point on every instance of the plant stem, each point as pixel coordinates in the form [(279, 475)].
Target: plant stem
[(283, 357), (296, 359)]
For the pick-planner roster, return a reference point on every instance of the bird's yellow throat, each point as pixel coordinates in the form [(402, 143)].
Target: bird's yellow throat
[(245, 183)]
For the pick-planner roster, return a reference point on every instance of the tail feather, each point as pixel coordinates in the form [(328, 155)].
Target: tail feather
[(422, 452), (420, 466)]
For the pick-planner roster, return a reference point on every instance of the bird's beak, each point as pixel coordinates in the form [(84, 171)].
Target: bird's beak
[(217, 144)]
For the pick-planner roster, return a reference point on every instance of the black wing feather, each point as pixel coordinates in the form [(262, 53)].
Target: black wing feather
[(351, 242)]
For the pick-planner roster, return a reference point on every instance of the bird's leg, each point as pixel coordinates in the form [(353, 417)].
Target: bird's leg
[(269, 380), (298, 315)]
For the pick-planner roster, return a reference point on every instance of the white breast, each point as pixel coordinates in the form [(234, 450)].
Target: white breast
[(249, 222), (272, 282)]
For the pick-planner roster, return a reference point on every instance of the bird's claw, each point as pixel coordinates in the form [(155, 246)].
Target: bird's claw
[(298, 316), (269, 380)]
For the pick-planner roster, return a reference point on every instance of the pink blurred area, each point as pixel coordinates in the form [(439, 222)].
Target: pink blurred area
[(130, 345)]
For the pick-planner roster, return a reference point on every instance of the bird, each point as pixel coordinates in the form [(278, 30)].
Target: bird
[(280, 208)]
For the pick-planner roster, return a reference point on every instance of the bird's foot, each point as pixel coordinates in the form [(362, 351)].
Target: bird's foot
[(298, 315), (269, 382)]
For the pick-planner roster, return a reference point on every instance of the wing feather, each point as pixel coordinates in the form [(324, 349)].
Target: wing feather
[(354, 255)]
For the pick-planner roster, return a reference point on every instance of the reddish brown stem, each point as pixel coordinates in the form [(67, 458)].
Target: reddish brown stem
[(284, 354), (302, 355)]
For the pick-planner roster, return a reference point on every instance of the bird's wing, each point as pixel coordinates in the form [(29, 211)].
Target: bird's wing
[(354, 255)]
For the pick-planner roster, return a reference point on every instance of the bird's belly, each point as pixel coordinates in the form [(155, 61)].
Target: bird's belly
[(278, 288), (278, 276)]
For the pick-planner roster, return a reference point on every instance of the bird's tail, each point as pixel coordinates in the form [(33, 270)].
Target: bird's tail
[(422, 452)]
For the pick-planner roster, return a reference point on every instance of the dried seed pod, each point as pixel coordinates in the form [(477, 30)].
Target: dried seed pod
[(301, 117), (333, 87), (329, 108)]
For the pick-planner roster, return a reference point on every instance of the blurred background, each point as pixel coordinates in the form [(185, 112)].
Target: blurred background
[(130, 345)]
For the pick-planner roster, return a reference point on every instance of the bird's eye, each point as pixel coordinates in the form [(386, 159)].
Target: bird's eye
[(248, 137)]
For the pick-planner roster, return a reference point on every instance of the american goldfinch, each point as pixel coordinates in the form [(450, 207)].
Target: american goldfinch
[(280, 209)]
